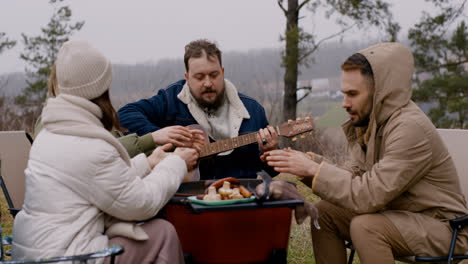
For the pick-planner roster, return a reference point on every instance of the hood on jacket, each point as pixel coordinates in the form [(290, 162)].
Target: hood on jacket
[(393, 66)]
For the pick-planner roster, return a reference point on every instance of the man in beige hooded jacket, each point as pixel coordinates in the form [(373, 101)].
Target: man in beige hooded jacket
[(400, 186)]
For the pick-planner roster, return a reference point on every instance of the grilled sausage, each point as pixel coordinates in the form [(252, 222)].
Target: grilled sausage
[(217, 184), (245, 192)]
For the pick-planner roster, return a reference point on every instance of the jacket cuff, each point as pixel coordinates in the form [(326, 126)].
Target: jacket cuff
[(141, 165), (177, 164), (327, 174), (146, 143), (316, 176)]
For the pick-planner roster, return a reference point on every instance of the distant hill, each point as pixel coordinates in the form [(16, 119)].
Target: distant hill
[(245, 69), (257, 73)]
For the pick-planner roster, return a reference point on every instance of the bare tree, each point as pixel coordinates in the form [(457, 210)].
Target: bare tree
[(300, 45)]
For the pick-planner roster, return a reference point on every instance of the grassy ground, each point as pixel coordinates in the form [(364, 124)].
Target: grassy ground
[(6, 218), (300, 242)]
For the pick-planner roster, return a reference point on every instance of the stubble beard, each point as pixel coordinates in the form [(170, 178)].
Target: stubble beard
[(364, 121)]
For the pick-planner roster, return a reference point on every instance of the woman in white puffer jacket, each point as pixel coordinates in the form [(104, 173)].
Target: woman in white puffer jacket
[(83, 192)]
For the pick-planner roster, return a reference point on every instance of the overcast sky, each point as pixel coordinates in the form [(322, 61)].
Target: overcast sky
[(148, 30)]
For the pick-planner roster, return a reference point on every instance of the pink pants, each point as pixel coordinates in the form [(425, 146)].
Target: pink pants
[(162, 247)]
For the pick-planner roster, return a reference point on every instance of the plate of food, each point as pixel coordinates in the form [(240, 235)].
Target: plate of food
[(194, 199), (223, 195)]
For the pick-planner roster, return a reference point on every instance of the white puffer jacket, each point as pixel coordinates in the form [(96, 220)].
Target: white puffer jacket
[(72, 182)]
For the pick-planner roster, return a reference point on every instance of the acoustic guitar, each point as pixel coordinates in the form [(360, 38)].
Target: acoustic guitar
[(289, 129)]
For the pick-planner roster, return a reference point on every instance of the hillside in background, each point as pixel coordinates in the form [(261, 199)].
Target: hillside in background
[(257, 73), (245, 69)]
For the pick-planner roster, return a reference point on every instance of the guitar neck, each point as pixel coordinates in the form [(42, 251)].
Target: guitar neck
[(287, 129), (228, 144)]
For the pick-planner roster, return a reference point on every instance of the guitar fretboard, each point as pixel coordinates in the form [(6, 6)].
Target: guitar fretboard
[(227, 144)]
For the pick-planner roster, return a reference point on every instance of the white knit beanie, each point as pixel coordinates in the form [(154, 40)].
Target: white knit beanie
[(82, 70)]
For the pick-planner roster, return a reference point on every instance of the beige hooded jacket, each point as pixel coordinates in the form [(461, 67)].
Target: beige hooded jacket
[(406, 172)]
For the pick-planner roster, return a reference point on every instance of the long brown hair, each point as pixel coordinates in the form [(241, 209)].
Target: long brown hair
[(109, 119), (52, 84)]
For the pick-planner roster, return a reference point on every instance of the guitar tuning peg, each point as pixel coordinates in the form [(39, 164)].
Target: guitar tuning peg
[(307, 119), (290, 121), (298, 120), (310, 133), (294, 139), (302, 136)]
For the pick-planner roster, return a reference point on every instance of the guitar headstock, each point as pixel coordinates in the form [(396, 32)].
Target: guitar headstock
[(295, 127)]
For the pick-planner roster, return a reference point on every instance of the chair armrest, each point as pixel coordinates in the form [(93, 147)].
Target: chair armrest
[(459, 223), (14, 211), (107, 252)]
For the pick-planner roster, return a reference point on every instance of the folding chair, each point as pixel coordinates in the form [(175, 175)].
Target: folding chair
[(456, 141), (111, 251), (14, 154)]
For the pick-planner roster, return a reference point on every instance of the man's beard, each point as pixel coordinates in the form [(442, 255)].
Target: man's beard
[(360, 122), (363, 122), (211, 107)]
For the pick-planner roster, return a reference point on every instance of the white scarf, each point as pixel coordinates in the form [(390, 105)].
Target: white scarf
[(75, 116), (236, 112)]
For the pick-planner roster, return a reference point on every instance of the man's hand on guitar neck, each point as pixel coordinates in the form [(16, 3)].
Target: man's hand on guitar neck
[(267, 139), (179, 136)]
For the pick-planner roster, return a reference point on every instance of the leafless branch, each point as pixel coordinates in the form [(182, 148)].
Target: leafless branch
[(282, 8), (316, 46), (308, 88), (305, 88), (302, 4), (304, 96)]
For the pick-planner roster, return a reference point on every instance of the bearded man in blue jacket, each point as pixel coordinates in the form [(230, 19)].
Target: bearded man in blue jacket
[(207, 99)]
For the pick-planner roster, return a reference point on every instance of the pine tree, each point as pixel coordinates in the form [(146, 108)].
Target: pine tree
[(40, 53), (5, 43), (440, 58)]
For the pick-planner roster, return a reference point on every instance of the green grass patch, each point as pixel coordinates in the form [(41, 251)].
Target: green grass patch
[(327, 114), (334, 117)]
